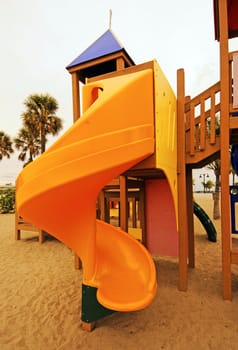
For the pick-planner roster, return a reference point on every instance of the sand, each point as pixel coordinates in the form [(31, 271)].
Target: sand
[(40, 300)]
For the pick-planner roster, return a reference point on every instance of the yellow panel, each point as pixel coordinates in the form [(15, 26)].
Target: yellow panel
[(166, 130)]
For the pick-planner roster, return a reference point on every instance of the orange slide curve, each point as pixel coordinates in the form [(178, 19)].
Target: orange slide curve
[(58, 191)]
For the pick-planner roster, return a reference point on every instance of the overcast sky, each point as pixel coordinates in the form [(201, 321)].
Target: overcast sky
[(39, 38)]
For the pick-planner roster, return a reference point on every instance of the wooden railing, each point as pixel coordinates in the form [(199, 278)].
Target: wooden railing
[(233, 76), (202, 114)]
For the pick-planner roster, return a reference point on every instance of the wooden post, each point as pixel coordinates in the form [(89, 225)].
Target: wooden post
[(120, 63), (76, 96), (88, 326), (141, 210), (225, 141), (182, 200), (123, 203), (21, 225), (101, 204), (107, 210), (77, 262), (191, 245), (17, 230), (134, 213), (41, 236)]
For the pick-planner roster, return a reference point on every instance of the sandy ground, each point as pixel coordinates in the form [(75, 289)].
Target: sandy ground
[(40, 296)]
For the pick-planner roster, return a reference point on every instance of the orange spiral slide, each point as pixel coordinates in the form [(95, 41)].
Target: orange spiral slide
[(58, 191)]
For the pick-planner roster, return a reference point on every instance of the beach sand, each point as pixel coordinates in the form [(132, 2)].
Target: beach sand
[(40, 300)]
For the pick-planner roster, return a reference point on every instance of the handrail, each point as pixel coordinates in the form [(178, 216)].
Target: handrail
[(202, 114)]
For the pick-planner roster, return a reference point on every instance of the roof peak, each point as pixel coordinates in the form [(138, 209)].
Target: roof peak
[(106, 44)]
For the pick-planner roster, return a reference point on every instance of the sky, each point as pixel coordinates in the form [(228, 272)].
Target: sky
[(39, 38)]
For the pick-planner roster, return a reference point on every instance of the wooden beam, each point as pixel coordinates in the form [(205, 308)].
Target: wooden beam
[(191, 245), (134, 213), (76, 96), (142, 211), (100, 60), (101, 205), (120, 63), (129, 70), (182, 200), (225, 159), (123, 203)]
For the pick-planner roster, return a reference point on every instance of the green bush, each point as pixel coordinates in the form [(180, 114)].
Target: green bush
[(7, 200)]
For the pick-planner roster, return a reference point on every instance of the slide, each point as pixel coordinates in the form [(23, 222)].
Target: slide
[(58, 191), (206, 222)]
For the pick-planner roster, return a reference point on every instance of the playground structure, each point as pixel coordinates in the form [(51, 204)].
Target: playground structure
[(22, 225), (134, 138)]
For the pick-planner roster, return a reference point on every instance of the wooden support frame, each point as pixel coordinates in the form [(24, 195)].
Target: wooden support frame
[(182, 199), (191, 243), (76, 96), (22, 225), (123, 203), (142, 211), (225, 141)]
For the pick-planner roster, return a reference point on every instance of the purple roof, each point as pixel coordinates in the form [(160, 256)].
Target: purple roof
[(106, 44)]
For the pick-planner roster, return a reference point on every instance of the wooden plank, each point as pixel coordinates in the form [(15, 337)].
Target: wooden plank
[(202, 125), (206, 93), (129, 70), (192, 130), (234, 256), (99, 61), (233, 122), (212, 121)]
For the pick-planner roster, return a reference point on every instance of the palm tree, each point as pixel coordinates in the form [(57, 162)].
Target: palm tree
[(5, 145), (27, 141), (41, 114), (216, 167)]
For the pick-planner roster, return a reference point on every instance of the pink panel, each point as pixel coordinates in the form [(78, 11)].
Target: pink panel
[(235, 80), (162, 236)]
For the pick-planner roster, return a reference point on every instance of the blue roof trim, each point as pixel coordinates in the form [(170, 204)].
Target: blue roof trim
[(105, 45)]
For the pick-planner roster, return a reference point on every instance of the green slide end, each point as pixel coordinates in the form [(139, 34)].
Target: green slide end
[(92, 310), (206, 222)]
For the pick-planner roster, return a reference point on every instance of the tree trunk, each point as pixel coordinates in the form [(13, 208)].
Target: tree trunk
[(43, 139), (216, 205)]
